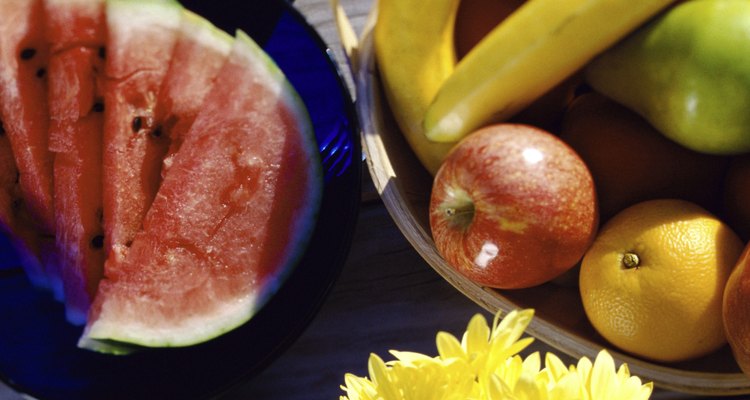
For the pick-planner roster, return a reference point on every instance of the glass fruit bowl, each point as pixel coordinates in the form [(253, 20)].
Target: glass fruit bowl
[(404, 186)]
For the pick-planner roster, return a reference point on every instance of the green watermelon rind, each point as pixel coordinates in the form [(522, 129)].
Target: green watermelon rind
[(203, 31), (117, 339), (144, 5), (152, 9)]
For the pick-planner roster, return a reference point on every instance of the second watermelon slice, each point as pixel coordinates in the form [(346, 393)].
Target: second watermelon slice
[(75, 76), (140, 42), (24, 118)]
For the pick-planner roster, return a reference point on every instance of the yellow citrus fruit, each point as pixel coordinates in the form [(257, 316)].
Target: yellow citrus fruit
[(652, 281)]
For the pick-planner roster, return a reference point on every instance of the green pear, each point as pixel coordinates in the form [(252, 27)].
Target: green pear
[(688, 73)]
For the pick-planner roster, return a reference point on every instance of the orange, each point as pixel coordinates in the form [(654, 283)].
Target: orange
[(653, 280), (632, 162)]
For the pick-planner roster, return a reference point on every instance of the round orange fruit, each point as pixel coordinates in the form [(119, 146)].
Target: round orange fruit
[(653, 280)]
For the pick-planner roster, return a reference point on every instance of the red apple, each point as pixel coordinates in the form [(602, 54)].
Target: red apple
[(513, 206)]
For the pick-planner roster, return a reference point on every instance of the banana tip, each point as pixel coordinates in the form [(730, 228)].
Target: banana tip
[(447, 129)]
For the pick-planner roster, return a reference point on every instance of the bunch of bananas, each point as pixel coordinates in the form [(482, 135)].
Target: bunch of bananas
[(437, 100)]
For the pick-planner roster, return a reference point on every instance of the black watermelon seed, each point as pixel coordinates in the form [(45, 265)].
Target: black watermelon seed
[(102, 52), (41, 72), (97, 241), (98, 107), (156, 132), (2, 129), (28, 53), (137, 124)]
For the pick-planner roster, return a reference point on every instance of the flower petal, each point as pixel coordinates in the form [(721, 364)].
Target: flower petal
[(449, 347), (555, 366), (584, 368), (476, 338), (495, 389), (380, 376), (632, 389), (568, 386), (513, 325), (409, 357), (526, 388), (357, 388), (604, 383), (532, 364)]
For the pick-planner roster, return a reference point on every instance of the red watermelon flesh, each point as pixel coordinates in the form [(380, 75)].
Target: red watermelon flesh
[(141, 37), (78, 202), (24, 114), (73, 26), (23, 105), (201, 49), (230, 219), (75, 74), (14, 218), (74, 23)]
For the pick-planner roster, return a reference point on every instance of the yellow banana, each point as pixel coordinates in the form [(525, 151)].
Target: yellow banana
[(535, 48), (413, 42)]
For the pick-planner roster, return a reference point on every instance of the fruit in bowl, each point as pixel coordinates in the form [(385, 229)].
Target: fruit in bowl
[(632, 162), (653, 280), (512, 206), (736, 305), (687, 73)]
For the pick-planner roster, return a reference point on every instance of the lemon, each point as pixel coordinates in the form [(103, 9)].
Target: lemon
[(652, 281)]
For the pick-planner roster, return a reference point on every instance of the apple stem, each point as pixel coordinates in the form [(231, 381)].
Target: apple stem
[(452, 211), (460, 216), (630, 260)]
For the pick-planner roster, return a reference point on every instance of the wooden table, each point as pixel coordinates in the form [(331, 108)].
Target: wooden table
[(386, 297)]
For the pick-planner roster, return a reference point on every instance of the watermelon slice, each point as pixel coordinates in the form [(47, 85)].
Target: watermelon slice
[(23, 105), (140, 42), (75, 75), (201, 49), (231, 217), (24, 115)]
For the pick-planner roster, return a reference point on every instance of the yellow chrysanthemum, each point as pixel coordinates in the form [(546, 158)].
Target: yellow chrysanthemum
[(485, 365)]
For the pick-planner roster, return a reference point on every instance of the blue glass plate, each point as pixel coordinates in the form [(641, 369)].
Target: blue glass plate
[(38, 353)]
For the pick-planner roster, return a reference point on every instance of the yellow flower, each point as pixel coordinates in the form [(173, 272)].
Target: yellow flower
[(486, 365), (411, 376), (602, 382)]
